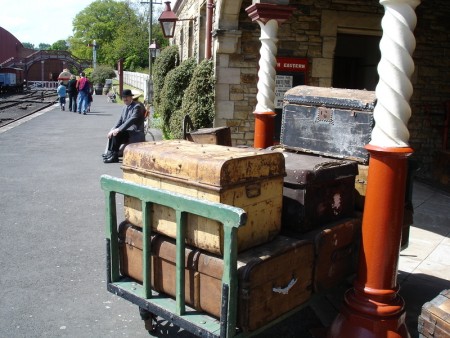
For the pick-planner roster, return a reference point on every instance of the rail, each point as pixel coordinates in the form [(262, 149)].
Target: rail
[(40, 85), (176, 310)]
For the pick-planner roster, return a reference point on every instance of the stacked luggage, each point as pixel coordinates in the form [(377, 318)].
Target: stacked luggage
[(274, 271), (324, 131), (302, 232)]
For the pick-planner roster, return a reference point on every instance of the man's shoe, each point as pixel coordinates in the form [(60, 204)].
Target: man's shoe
[(111, 159), (107, 154)]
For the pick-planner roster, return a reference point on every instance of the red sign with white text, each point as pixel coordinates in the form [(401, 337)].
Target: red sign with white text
[(291, 64)]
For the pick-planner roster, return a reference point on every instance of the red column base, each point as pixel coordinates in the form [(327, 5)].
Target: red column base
[(353, 323), (373, 308), (264, 129)]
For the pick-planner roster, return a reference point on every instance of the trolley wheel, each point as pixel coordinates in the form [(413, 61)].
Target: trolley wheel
[(150, 320)]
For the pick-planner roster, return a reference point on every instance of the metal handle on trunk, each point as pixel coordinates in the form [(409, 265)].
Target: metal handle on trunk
[(286, 289)]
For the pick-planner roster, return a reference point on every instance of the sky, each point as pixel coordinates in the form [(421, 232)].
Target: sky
[(40, 21)]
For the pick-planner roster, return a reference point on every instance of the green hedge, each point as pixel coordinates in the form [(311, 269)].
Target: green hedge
[(175, 83), (164, 63), (198, 99)]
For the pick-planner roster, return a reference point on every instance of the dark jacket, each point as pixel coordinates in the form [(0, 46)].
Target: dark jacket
[(132, 121), (72, 86)]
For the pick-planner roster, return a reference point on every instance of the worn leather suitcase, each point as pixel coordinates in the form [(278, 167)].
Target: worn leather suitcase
[(246, 178), (332, 122), (163, 262), (274, 278), (317, 190), (434, 320), (336, 247)]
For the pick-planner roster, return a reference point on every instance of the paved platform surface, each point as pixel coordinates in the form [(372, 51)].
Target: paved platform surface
[(52, 248)]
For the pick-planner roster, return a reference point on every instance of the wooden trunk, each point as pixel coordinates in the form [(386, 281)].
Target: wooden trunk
[(246, 178), (220, 136), (316, 191), (328, 121), (434, 320), (336, 248), (162, 262), (274, 278)]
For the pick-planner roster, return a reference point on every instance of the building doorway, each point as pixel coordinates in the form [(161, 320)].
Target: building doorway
[(355, 61)]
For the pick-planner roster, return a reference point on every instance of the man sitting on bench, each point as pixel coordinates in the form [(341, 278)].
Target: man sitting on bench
[(129, 128)]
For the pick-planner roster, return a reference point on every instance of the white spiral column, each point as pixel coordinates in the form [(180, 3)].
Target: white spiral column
[(373, 308), (394, 89), (267, 63)]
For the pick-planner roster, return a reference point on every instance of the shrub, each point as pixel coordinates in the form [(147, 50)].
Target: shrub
[(101, 73), (175, 83), (164, 63), (198, 99)]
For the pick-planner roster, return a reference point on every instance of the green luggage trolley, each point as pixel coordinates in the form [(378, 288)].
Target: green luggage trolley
[(158, 304)]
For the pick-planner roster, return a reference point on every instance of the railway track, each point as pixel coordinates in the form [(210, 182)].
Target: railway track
[(14, 107)]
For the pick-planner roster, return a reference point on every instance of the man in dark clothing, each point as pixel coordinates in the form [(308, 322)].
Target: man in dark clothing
[(129, 128), (73, 93)]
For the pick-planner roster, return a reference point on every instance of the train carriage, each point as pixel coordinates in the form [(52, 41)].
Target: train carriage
[(11, 80)]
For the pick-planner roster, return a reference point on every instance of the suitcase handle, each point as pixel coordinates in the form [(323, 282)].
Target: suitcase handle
[(286, 289)]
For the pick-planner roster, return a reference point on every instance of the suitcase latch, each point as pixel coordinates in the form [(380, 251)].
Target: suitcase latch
[(253, 190), (325, 114)]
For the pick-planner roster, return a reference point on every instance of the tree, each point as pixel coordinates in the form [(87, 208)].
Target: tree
[(44, 46), (28, 45), (101, 73), (115, 26), (131, 44), (59, 45)]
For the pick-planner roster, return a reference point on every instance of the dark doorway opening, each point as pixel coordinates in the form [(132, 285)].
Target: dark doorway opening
[(355, 61)]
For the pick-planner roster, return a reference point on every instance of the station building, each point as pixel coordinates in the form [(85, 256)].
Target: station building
[(327, 43)]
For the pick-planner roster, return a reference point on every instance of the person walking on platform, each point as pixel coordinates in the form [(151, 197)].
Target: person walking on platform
[(73, 93), (83, 86), (129, 128), (61, 90)]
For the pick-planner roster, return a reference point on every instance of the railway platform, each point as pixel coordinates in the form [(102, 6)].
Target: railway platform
[(53, 251)]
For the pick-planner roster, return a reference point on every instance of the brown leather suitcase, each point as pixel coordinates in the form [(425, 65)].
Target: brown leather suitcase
[(246, 178), (163, 262), (434, 320), (336, 252), (274, 278), (316, 190)]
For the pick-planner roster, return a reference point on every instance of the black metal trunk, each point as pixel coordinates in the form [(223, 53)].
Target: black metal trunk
[(328, 121)]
